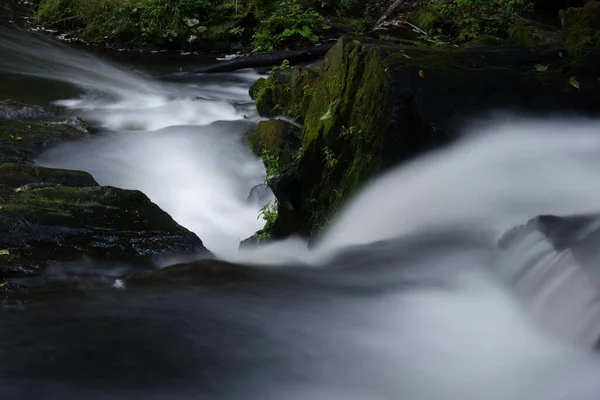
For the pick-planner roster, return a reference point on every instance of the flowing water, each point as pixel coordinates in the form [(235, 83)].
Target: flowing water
[(406, 296)]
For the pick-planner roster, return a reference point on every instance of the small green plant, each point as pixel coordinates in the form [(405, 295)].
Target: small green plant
[(307, 90), (271, 164), (268, 212), (474, 18), (347, 132), (359, 26), (330, 110), (237, 31), (262, 236), (330, 160), (283, 67)]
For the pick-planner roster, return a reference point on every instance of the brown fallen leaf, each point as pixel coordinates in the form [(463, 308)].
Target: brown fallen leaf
[(421, 74), (17, 138), (574, 82), (406, 56)]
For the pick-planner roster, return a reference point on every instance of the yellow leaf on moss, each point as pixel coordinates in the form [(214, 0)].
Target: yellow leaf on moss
[(541, 68), (574, 82), (4, 253)]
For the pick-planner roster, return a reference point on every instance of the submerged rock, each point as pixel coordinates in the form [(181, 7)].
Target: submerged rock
[(550, 263)]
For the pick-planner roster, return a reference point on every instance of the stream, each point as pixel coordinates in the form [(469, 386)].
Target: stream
[(406, 295)]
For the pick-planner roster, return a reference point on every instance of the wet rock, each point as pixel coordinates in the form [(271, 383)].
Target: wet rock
[(278, 138), (21, 175), (258, 194), (53, 215), (285, 187), (21, 141), (374, 104), (581, 28), (57, 223), (13, 110)]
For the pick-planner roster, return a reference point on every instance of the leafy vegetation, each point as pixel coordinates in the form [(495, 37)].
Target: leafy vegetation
[(268, 212), (282, 68), (177, 23), (288, 23), (271, 163), (471, 19), (267, 24)]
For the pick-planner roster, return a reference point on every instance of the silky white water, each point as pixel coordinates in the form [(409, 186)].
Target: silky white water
[(413, 319), (163, 138)]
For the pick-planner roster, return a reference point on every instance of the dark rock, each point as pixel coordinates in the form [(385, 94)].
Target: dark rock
[(285, 187), (374, 105), (258, 194), (22, 141), (260, 237), (556, 259), (62, 223), (581, 28), (12, 110), (19, 175), (279, 138)]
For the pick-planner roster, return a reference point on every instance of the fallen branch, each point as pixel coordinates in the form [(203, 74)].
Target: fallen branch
[(389, 11), (267, 60)]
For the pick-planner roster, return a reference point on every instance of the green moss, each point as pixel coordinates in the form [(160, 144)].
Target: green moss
[(347, 117), (272, 95), (521, 33), (17, 175), (20, 141), (582, 28), (531, 34), (266, 137), (425, 19)]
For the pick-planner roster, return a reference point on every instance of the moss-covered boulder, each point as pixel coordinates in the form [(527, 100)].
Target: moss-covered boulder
[(53, 215), (287, 94), (375, 104), (276, 138), (50, 215), (21, 141), (581, 28)]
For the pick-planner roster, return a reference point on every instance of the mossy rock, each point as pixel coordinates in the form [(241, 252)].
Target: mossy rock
[(581, 28), (424, 19), (278, 138), (286, 94), (272, 95), (45, 222), (19, 175), (22, 141), (532, 34), (376, 104)]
